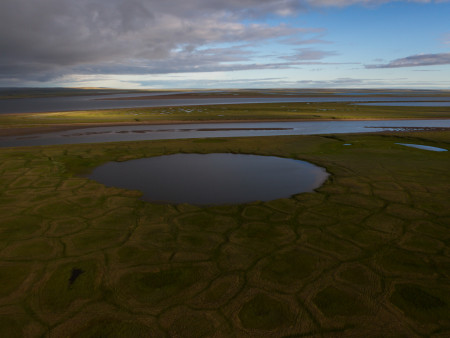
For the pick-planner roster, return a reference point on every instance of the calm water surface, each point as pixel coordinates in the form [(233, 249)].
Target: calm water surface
[(212, 179), (420, 146), (197, 130)]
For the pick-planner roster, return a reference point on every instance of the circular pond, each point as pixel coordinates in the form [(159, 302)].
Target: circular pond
[(211, 179)]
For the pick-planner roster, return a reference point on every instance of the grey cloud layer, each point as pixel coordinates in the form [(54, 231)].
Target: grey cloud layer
[(416, 61), (44, 39), (48, 37), (309, 54)]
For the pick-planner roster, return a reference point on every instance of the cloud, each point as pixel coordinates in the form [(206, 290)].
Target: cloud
[(446, 39), (44, 38), (41, 40), (416, 61), (348, 82), (184, 60), (300, 41), (309, 54), (215, 83)]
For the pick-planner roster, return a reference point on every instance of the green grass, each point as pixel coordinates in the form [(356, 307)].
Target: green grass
[(367, 254), (264, 313), (58, 294), (424, 304), (154, 287)]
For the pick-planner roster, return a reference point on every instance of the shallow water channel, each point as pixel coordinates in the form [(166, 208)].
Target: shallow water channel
[(423, 147), (205, 130), (212, 179)]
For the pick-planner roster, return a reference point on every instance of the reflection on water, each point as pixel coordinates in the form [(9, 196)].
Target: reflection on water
[(211, 179), (419, 146), (204, 130)]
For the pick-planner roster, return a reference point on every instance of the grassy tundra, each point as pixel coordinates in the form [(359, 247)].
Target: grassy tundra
[(367, 254)]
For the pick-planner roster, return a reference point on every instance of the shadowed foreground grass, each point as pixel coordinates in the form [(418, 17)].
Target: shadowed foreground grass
[(366, 255)]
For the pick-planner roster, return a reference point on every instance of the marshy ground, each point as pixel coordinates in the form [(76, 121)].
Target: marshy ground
[(367, 254)]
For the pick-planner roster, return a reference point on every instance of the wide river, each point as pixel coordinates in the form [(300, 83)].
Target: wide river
[(204, 130), (71, 103)]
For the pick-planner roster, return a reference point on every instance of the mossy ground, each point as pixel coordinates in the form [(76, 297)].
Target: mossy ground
[(366, 255)]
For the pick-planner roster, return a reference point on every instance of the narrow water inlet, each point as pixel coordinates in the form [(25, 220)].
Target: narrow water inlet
[(419, 146), (212, 179)]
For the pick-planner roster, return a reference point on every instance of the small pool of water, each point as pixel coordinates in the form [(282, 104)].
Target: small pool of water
[(212, 179), (419, 146)]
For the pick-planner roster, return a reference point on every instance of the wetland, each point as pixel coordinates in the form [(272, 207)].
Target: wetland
[(367, 253), (352, 257), (117, 133), (38, 102)]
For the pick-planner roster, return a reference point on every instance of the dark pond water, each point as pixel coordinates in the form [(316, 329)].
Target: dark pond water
[(52, 104), (204, 130), (212, 179)]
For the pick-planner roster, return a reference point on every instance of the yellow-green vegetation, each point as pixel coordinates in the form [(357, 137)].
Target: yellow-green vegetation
[(239, 112), (368, 254)]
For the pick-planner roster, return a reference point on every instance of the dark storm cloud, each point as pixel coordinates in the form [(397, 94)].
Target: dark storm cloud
[(43, 38), (416, 61), (46, 39)]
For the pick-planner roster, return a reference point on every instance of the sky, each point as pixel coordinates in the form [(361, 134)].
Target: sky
[(225, 43)]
